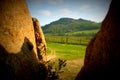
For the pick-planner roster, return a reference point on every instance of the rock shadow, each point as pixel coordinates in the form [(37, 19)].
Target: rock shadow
[(23, 65)]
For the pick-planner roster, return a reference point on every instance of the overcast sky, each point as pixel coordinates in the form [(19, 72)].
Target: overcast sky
[(47, 11)]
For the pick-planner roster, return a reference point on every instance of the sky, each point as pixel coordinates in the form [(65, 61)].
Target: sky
[(47, 11)]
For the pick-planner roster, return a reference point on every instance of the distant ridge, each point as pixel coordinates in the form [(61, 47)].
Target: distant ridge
[(66, 25)]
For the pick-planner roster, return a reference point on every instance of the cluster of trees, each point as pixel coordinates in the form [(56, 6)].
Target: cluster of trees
[(78, 40)]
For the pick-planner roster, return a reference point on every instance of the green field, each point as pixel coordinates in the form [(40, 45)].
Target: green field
[(67, 51), (74, 54), (70, 47), (77, 40)]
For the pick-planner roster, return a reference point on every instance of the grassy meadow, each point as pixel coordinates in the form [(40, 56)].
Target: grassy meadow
[(70, 47), (66, 51), (74, 54)]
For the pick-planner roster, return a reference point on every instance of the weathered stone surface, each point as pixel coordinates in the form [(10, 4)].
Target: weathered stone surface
[(18, 52), (40, 40), (15, 25), (103, 52)]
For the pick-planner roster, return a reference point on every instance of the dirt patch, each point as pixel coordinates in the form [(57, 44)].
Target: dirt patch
[(77, 61), (71, 70), (52, 55)]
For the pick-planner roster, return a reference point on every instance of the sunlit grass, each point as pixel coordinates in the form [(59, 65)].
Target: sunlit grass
[(74, 54), (67, 51)]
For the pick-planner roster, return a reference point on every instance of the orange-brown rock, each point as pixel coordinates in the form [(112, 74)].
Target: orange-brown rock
[(40, 40), (15, 25), (102, 58), (18, 52)]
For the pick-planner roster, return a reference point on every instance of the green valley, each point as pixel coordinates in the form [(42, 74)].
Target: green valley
[(67, 39)]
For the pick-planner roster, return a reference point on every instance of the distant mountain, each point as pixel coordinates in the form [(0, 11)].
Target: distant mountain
[(67, 25)]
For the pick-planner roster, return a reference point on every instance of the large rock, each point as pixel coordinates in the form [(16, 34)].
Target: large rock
[(15, 25), (102, 58), (18, 52), (40, 40)]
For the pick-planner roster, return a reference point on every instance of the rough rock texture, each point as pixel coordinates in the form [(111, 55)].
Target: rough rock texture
[(102, 58), (40, 40), (15, 24), (18, 52)]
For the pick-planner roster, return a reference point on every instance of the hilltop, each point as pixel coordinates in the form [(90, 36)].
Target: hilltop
[(65, 26)]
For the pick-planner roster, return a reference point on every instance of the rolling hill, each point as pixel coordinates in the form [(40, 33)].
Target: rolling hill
[(69, 26)]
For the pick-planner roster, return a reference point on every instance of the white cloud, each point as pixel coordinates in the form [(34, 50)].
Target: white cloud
[(55, 1), (84, 7), (45, 12)]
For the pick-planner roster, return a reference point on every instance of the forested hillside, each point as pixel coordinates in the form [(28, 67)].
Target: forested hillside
[(69, 26)]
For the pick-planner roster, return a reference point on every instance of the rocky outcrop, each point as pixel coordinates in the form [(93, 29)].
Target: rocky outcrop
[(22, 65), (15, 24), (40, 40), (103, 52), (18, 52)]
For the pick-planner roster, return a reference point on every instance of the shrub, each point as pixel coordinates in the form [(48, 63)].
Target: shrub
[(54, 69)]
